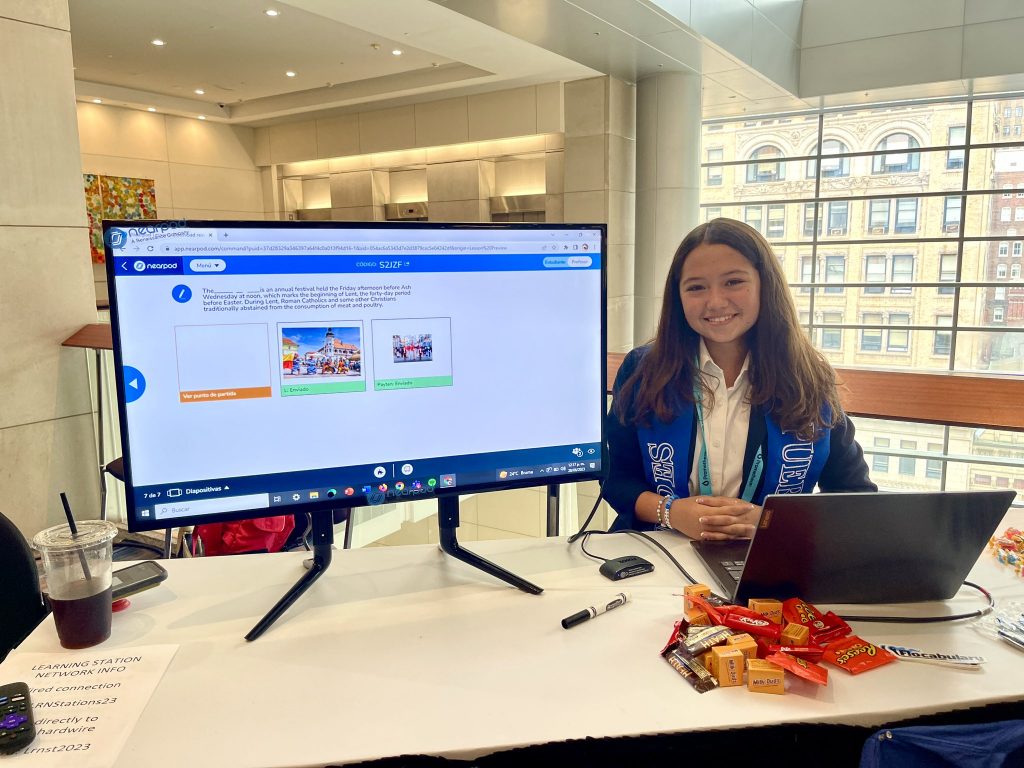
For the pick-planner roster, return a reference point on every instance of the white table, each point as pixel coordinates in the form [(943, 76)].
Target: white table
[(403, 650)]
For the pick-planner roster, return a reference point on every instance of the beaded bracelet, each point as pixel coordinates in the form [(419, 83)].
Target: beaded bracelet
[(664, 506)]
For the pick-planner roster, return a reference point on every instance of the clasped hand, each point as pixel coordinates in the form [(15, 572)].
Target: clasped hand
[(724, 517)]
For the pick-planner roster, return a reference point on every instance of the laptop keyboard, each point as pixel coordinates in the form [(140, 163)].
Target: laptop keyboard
[(734, 568)]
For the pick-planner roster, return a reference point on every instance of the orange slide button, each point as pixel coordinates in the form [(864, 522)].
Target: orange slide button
[(238, 393)]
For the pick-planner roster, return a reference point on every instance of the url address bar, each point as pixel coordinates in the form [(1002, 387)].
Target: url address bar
[(338, 248)]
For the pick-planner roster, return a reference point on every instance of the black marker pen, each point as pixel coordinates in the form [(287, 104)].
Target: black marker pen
[(588, 613)]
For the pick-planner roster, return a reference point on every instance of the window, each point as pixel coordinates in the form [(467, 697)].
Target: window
[(997, 314), (809, 210), (1016, 130), (835, 272), (899, 338), (1018, 112), (878, 216), (831, 167), (879, 461), (874, 272), (1020, 190), (1004, 249), (1006, 130), (947, 272), (902, 272), (832, 338), (906, 216), (714, 176), (1004, 214), (871, 338), (1018, 213), (1016, 248), (1015, 271), (1002, 482), (1000, 271), (1007, 191), (752, 216), (712, 213), (1007, 113), (943, 341), (839, 217), (908, 466), (951, 214), (955, 157), (806, 263), (768, 168), (776, 221), (897, 159), (983, 479), (933, 467)]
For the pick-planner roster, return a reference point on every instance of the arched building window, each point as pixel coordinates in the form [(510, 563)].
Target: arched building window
[(831, 167), (768, 167), (898, 159)]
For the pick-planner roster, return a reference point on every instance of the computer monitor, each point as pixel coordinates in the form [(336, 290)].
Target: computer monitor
[(269, 368)]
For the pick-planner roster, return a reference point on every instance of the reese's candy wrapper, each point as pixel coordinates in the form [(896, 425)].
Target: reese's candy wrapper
[(856, 655), (800, 667), (691, 670), (712, 611), (797, 611), (834, 628), (702, 639)]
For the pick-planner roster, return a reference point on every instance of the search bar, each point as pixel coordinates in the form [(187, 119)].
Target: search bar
[(190, 507)]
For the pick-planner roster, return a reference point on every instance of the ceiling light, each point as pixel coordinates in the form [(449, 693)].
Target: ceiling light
[(97, 101), (158, 42), (396, 52), (199, 91), (151, 109), (289, 73), (272, 12), (202, 117)]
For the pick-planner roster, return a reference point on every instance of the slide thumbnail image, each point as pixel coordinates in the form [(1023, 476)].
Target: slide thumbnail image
[(322, 353), (413, 348)]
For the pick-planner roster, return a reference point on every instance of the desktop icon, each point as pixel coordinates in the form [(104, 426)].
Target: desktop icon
[(577, 452), (503, 474), (367, 489), (447, 481), (407, 469), (277, 499), (296, 497), (399, 486), (173, 493), (431, 482), (349, 491), (314, 494), (417, 485), (383, 487), (379, 472)]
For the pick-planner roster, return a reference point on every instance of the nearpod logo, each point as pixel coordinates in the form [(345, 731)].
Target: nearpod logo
[(140, 266), (116, 238)]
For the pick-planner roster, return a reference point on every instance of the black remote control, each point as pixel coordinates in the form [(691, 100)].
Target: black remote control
[(17, 728)]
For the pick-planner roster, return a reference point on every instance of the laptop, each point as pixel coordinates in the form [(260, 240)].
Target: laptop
[(858, 547)]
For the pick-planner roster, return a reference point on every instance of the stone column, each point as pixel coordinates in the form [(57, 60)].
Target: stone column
[(46, 283), (667, 185)]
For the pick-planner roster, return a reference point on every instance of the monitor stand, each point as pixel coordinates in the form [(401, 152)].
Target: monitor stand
[(447, 522), (323, 542)]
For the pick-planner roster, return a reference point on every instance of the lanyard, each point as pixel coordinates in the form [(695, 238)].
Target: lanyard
[(704, 466)]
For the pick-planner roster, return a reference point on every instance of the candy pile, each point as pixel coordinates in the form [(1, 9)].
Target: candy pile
[(715, 645), (1009, 549)]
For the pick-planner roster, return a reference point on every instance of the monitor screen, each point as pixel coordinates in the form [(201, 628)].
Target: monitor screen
[(266, 368)]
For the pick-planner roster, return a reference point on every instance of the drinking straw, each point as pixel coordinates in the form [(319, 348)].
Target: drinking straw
[(74, 533)]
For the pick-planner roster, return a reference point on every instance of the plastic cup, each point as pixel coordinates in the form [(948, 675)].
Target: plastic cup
[(78, 576)]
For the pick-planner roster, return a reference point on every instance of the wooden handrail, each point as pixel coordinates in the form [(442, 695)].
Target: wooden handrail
[(966, 400)]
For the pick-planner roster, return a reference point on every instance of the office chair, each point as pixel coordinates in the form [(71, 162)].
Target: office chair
[(970, 745), (21, 602)]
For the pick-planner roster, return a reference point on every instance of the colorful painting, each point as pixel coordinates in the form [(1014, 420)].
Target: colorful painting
[(115, 197)]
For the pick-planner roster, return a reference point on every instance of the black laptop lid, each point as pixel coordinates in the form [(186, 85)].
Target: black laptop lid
[(868, 547)]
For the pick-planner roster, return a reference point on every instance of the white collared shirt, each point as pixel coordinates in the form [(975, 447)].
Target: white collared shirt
[(726, 426)]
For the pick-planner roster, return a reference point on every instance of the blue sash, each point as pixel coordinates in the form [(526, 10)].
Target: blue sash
[(791, 465)]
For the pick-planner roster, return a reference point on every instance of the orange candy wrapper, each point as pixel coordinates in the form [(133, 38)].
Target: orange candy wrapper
[(800, 667), (856, 655)]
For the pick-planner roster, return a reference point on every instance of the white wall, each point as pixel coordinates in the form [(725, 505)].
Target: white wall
[(201, 169)]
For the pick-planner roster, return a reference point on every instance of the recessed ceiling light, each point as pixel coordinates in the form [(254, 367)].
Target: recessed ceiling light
[(202, 117), (289, 73), (97, 101), (151, 109), (396, 52), (272, 12), (199, 91), (158, 42)]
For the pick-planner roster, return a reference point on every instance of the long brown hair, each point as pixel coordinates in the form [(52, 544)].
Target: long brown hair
[(788, 376)]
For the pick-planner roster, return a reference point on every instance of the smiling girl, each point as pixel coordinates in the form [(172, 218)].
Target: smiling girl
[(730, 402)]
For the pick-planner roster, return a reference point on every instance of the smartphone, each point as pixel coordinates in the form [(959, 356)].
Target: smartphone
[(135, 578)]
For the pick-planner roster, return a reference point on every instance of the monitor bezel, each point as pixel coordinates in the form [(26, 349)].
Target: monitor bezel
[(136, 524)]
